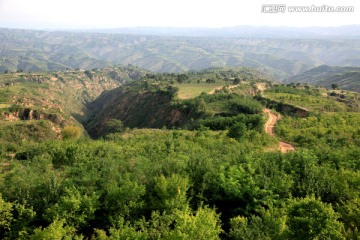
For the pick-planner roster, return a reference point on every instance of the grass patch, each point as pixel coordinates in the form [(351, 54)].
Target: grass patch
[(192, 90), (2, 105), (313, 103)]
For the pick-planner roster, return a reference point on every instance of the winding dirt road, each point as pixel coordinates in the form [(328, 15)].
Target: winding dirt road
[(269, 125), (269, 129)]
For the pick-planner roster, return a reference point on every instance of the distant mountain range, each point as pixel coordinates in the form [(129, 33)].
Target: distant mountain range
[(241, 31), (29, 50), (344, 77)]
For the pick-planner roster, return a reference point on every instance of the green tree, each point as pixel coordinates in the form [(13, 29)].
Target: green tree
[(334, 86), (244, 229), (71, 132), (6, 215), (21, 223), (169, 193), (123, 199), (350, 215), (269, 225), (201, 105), (55, 231), (237, 131), (182, 78), (236, 81), (89, 74), (114, 126), (204, 224), (309, 218), (75, 208)]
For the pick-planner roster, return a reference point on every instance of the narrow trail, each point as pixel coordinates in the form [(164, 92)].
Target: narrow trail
[(269, 129), (270, 123)]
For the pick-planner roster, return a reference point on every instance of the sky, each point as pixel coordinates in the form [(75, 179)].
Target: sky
[(92, 14)]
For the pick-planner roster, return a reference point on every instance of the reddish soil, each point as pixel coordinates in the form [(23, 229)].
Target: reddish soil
[(269, 129), (221, 87)]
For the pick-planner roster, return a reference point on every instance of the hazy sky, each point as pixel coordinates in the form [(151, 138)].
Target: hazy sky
[(45, 14)]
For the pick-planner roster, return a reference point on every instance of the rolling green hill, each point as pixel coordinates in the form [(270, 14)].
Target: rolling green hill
[(48, 102), (156, 101), (343, 77)]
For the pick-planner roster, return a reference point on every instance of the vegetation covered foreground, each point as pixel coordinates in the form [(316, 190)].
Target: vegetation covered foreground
[(214, 175)]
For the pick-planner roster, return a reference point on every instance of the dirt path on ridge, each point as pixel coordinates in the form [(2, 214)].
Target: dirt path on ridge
[(269, 129), (270, 123), (221, 87)]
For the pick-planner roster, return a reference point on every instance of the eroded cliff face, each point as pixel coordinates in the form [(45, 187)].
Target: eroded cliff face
[(59, 98), (134, 109), (56, 122), (29, 114)]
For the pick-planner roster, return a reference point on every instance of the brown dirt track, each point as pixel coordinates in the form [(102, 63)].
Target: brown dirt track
[(269, 129)]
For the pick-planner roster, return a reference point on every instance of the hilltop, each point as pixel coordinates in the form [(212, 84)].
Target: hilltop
[(347, 78), (169, 100)]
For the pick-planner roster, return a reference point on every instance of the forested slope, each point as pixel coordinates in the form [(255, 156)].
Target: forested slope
[(217, 175)]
